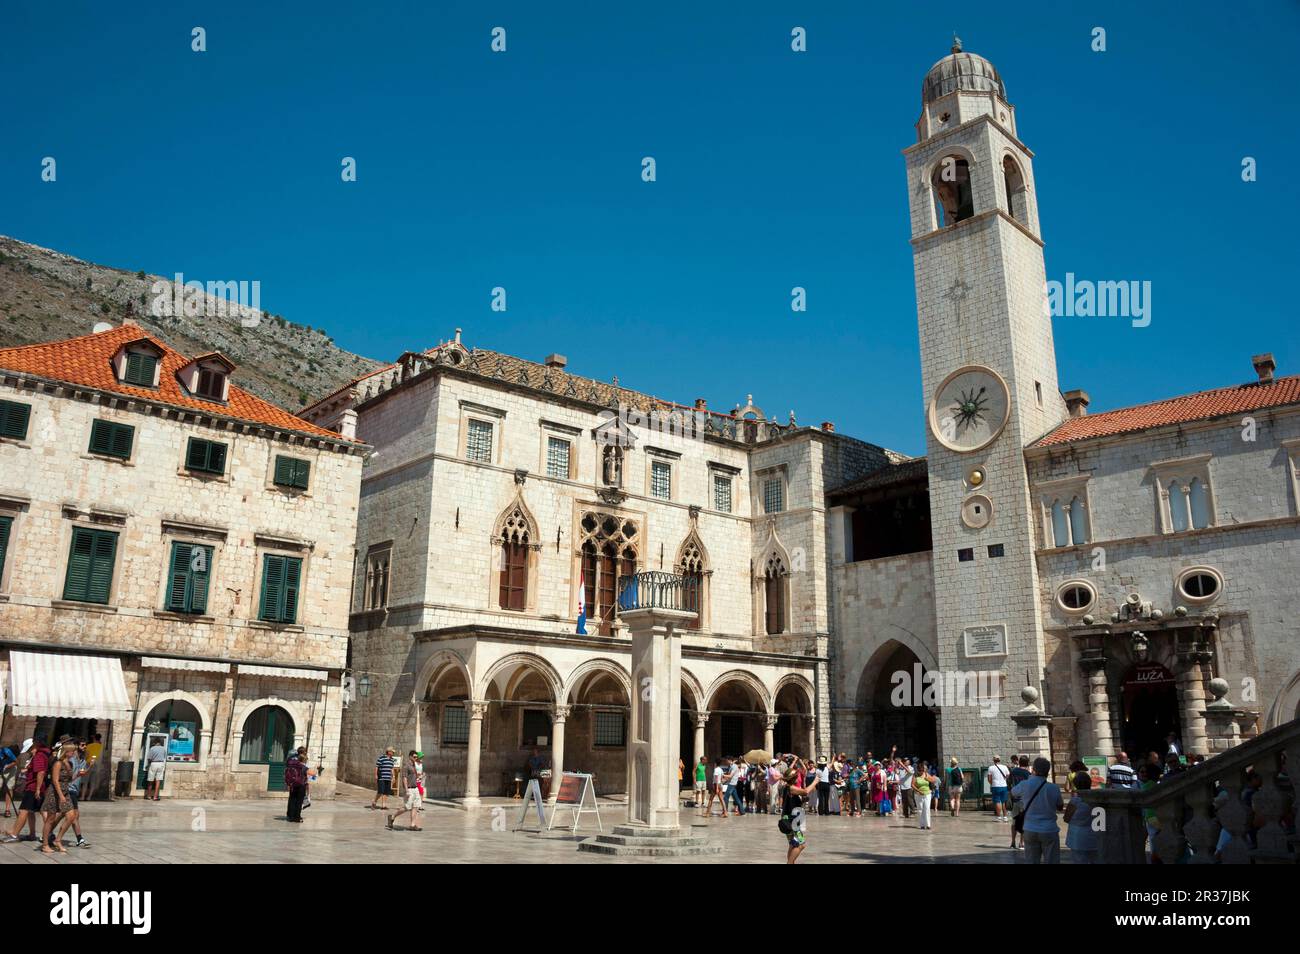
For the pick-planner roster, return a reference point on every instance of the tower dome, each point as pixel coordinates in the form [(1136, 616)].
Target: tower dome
[(961, 71)]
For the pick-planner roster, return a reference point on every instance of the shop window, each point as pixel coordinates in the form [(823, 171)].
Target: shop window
[(268, 737), (183, 725)]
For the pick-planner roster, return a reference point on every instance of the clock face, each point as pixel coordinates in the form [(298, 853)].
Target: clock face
[(969, 409)]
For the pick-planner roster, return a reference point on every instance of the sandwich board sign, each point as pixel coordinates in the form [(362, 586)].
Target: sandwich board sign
[(532, 797), (577, 794)]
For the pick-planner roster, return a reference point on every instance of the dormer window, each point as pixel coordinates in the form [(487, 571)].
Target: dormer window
[(212, 384), (141, 369), (208, 377)]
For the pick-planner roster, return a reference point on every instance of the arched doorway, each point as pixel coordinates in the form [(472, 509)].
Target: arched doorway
[(182, 724), (736, 713), (794, 721), (268, 737), (595, 738), (895, 714), (1149, 699)]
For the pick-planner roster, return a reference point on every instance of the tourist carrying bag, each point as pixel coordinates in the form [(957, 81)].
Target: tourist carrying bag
[(1018, 809)]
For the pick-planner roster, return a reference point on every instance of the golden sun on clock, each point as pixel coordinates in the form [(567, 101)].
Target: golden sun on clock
[(969, 409)]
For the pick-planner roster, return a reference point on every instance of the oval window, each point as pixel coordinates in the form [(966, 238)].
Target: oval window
[(1076, 596), (1200, 585)]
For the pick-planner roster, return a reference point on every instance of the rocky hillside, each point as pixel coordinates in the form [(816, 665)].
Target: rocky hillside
[(46, 296)]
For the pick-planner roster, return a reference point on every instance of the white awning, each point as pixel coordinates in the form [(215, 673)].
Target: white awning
[(314, 675), (68, 685), (188, 665)]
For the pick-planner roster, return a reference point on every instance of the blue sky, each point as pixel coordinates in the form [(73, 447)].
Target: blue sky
[(775, 169)]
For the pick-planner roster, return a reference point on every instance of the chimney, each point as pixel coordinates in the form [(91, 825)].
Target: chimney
[(701, 404), (556, 361), (828, 427), (1076, 402), (1264, 367), (457, 336)]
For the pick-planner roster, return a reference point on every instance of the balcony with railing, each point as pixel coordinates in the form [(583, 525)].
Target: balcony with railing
[(655, 589)]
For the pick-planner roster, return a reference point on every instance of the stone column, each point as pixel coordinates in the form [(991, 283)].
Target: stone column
[(701, 720), (476, 712), (1191, 700), (559, 714), (769, 724), (812, 739), (1099, 707), (654, 748)]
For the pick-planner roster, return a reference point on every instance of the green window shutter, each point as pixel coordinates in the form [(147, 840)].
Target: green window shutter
[(112, 439), (5, 524), (90, 566), (196, 455), (140, 369), (292, 472), (207, 456), (13, 419), (272, 587), (178, 578), (76, 584), (101, 567), (200, 571), (101, 437), (292, 574)]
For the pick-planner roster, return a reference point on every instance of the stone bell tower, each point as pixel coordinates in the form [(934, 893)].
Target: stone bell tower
[(989, 376)]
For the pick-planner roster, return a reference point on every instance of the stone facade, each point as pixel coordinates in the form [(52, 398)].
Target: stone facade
[(222, 661)]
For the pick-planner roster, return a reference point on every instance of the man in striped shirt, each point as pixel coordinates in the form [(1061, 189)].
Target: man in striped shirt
[(1120, 775), (384, 778)]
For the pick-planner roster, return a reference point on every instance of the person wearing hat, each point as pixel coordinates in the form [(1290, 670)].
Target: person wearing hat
[(384, 778), (413, 778), (956, 783), (823, 786)]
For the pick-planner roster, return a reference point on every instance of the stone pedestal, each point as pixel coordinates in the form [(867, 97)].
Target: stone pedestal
[(1032, 736), (654, 741), (1223, 720)]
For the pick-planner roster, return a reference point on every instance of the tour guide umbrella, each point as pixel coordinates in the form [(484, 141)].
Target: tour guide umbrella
[(758, 757)]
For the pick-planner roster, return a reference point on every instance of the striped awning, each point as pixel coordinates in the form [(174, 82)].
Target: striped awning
[(68, 685), (188, 665), (313, 675)]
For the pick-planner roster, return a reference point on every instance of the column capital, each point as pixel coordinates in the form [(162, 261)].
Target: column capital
[(560, 712), (477, 708), (701, 718), (770, 719)]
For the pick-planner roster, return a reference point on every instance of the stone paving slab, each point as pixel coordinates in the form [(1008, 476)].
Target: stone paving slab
[(345, 831)]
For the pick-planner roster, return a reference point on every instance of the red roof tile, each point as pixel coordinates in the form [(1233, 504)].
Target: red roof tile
[(88, 361), (1179, 410)]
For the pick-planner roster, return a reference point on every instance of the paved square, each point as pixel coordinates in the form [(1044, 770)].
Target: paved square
[(346, 831)]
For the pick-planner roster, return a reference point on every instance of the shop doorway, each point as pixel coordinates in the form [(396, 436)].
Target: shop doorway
[(268, 737), (1150, 710)]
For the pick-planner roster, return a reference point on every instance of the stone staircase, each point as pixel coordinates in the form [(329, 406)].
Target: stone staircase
[(634, 841)]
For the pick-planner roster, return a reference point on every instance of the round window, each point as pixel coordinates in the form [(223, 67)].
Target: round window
[(1200, 584), (1076, 596)]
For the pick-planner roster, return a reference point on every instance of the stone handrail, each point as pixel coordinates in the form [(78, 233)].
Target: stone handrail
[(1191, 821)]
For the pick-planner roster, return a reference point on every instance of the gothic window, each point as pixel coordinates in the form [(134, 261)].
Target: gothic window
[(515, 558), (1017, 199), (776, 584), (1065, 515), (691, 567), (953, 200), (607, 551), (1185, 498), (378, 567)]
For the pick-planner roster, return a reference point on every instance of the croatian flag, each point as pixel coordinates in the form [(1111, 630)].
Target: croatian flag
[(582, 605)]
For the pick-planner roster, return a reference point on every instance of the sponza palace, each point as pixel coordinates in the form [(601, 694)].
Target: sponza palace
[(405, 562)]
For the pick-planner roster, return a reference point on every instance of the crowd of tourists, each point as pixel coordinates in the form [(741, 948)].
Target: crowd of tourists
[(44, 785)]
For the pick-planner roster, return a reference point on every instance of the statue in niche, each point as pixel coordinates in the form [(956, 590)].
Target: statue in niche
[(613, 466)]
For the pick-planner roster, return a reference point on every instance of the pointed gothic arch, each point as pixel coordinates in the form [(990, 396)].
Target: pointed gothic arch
[(515, 545), (692, 563), (772, 588)]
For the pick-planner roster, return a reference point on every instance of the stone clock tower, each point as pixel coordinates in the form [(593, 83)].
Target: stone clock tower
[(989, 377)]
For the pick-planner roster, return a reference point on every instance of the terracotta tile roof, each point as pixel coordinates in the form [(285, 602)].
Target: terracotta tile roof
[(1200, 406), (88, 361)]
